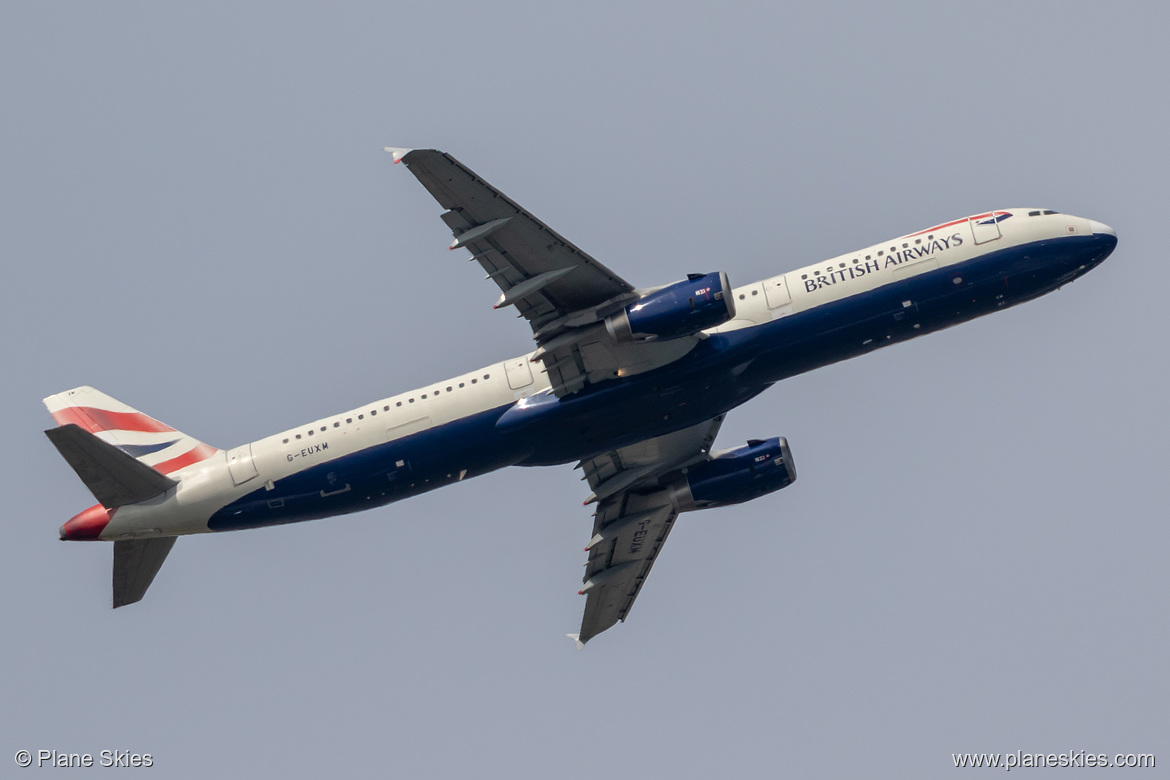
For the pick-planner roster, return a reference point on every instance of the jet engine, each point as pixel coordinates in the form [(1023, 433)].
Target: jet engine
[(763, 466), (699, 302)]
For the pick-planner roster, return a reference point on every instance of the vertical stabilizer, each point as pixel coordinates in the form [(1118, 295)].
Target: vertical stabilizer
[(142, 437)]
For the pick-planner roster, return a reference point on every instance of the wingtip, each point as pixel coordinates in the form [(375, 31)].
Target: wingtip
[(398, 152), (577, 638)]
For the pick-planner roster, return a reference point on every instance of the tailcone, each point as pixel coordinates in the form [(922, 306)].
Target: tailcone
[(87, 525)]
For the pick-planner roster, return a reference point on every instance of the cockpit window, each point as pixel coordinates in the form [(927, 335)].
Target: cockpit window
[(1033, 213), (1051, 212)]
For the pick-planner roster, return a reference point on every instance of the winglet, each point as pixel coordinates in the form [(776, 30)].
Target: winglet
[(577, 638), (398, 152)]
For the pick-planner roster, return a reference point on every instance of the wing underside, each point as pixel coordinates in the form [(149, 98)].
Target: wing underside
[(634, 517), (566, 296), (542, 274), (563, 293)]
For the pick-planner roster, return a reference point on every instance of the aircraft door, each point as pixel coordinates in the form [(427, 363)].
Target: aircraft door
[(519, 373), (776, 291), (240, 464), (984, 229)]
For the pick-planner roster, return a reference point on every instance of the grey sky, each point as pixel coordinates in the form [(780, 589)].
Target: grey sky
[(197, 219)]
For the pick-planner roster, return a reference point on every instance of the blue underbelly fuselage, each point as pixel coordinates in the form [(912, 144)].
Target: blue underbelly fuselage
[(720, 373)]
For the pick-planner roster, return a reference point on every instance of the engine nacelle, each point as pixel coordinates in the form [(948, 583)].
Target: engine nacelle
[(701, 301), (737, 476)]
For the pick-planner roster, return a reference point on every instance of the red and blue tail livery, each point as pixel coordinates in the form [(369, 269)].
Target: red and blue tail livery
[(153, 443), (629, 383)]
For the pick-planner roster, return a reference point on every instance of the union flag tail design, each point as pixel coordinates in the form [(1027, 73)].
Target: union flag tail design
[(142, 437)]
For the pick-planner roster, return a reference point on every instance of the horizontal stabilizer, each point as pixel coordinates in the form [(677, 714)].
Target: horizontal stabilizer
[(135, 563), (114, 478)]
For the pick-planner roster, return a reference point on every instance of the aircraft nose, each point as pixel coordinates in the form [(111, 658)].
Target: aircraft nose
[(1100, 228)]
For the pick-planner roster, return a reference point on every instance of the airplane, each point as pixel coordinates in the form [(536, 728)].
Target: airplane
[(630, 384)]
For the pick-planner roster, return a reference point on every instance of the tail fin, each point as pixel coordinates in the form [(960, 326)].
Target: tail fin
[(122, 456), (144, 438)]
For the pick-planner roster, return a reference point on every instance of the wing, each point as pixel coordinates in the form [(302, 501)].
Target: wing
[(634, 516), (563, 292), (542, 274)]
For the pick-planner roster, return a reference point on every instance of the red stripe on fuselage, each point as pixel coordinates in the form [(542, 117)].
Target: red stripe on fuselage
[(956, 222), (200, 453), (97, 420)]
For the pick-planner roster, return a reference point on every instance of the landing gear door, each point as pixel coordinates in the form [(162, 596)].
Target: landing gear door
[(240, 464), (985, 228)]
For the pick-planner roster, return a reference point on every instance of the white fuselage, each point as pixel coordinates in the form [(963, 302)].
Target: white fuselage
[(205, 488)]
